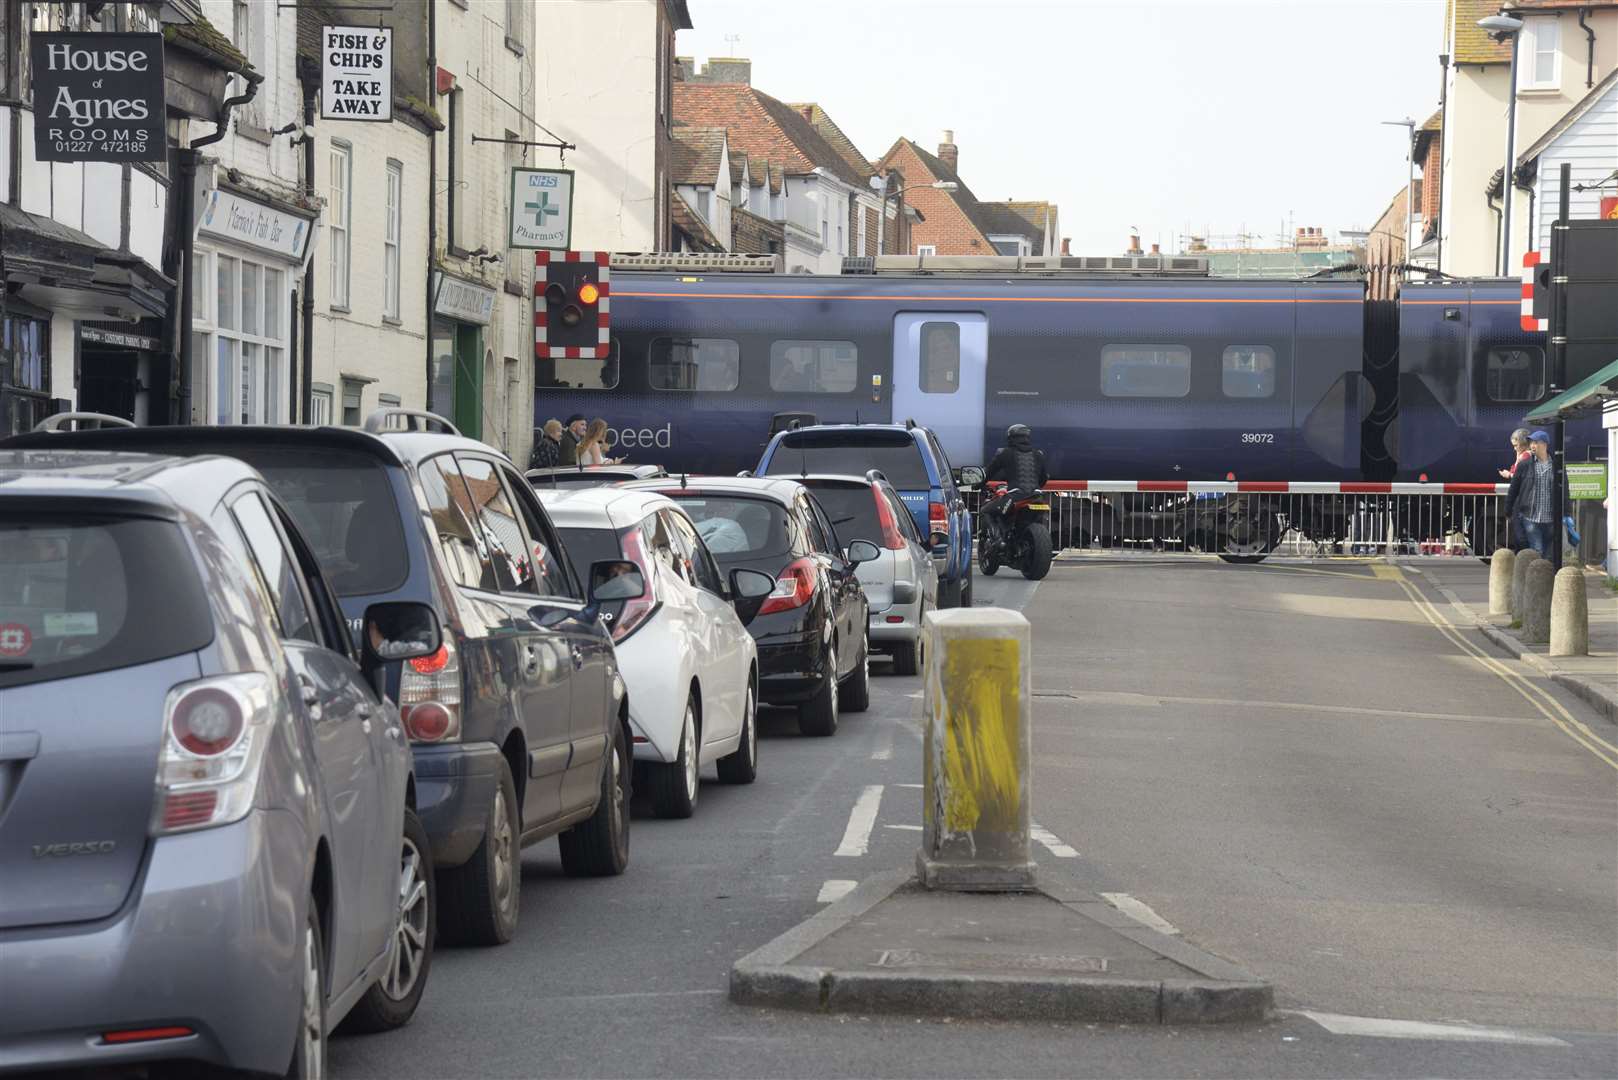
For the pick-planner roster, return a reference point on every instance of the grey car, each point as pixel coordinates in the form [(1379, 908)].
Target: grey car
[(205, 840)]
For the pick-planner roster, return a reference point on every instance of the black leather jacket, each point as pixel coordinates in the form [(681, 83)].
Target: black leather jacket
[(1019, 465)]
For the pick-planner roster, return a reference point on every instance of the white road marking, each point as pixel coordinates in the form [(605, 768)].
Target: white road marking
[(1051, 841), (835, 889), (907, 785), (861, 820), (906, 828), (1140, 911), (1378, 1028), (885, 751)]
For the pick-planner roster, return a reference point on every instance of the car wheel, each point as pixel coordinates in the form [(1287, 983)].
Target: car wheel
[(309, 1050), (675, 784), (392, 1000), (856, 694), (818, 715), (949, 594), (478, 901), (599, 846), (909, 658), (966, 589), (741, 767)]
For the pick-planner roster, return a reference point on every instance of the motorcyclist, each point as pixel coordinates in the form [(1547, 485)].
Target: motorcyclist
[(1018, 465)]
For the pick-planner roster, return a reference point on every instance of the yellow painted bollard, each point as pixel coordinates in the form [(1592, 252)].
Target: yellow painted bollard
[(977, 752)]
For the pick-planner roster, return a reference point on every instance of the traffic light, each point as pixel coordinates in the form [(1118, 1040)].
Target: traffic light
[(571, 304)]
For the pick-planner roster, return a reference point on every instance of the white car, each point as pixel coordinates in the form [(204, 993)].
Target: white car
[(683, 646)]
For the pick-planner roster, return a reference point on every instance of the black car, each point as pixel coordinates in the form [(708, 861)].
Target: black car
[(813, 648), (519, 722)]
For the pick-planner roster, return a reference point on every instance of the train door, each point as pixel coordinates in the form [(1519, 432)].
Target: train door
[(940, 363)]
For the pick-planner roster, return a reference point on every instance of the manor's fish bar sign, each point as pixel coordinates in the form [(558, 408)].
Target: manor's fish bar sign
[(98, 97), (356, 73)]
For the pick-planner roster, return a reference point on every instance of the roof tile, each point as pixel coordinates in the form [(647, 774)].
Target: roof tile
[(695, 154), (760, 126), (1468, 42)]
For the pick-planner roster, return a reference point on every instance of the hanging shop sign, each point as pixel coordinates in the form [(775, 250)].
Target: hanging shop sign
[(230, 216), (98, 97), (356, 73), (541, 209), (463, 300)]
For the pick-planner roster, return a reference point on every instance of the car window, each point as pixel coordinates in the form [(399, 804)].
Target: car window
[(85, 593), (833, 536), (737, 526), (852, 452), (699, 564), (585, 547), (945, 472), (325, 611), (450, 509), (850, 508), (661, 545), (277, 567), (549, 558), (821, 536), (508, 566), (901, 516)]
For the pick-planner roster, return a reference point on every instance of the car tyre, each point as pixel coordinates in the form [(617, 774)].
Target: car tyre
[(909, 658), (599, 846), (675, 784), (818, 715), (392, 1000), (741, 767), (309, 1048), (856, 692), (478, 901), (964, 598)]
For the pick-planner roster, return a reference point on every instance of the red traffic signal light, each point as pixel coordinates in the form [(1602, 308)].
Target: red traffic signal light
[(571, 304)]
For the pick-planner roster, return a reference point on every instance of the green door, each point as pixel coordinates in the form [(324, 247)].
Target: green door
[(469, 380)]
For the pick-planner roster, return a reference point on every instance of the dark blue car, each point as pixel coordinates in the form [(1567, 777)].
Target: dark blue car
[(913, 460)]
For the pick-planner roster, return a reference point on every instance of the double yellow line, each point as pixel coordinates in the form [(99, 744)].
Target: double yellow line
[(1535, 695)]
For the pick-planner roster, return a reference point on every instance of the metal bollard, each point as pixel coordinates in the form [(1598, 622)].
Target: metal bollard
[(976, 754), (1536, 602), (1519, 572), (1500, 564), (1570, 614)]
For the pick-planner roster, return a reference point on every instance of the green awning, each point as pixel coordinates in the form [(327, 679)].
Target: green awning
[(1588, 394)]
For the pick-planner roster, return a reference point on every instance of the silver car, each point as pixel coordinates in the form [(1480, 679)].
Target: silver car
[(205, 843), (901, 585)]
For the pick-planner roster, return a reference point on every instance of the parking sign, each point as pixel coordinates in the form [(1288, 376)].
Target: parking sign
[(541, 209)]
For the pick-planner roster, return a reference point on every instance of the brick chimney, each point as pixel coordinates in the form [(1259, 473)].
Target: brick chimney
[(725, 69), (1134, 243), (1067, 245), (949, 153), (1155, 251)]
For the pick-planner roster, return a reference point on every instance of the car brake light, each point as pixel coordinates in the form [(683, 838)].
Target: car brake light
[(884, 518), (938, 519), (133, 1035), (794, 587), (430, 695), (635, 612), (215, 733)]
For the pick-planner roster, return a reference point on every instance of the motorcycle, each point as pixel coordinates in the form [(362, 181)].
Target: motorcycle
[(1016, 532)]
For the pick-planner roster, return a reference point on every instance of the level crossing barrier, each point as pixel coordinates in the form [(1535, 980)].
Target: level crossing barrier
[(1244, 521)]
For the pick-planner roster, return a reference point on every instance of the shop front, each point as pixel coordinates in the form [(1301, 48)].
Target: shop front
[(462, 311)]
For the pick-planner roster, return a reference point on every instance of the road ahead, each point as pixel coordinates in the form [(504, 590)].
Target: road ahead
[(1292, 765)]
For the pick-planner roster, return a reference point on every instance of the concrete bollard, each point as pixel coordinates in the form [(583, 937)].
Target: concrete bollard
[(1536, 603), (977, 751), (1500, 581), (1519, 572), (1570, 614)]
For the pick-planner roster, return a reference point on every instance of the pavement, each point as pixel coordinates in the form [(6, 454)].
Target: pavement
[(1291, 768)]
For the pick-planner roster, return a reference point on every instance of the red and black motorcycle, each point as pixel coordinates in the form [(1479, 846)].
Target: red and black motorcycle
[(1016, 532)]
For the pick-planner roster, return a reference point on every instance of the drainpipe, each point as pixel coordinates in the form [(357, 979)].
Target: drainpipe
[(1443, 129), (1590, 56), (432, 192), (307, 300)]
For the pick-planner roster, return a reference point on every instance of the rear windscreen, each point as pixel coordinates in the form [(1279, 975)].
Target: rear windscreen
[(851, 507), (736, 527), (80, 595), (852, 453), (587, 546)]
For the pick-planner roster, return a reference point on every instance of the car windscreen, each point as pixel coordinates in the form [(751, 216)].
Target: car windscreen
[(587, 546), (345, 508), (81, 594), (736, 526), (852, 453), (851, 508)]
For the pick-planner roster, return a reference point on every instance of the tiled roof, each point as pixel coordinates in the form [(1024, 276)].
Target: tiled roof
[(761, 126), (834, 135), (738, 166), (1468, 43), (1003, 220), (1428, 131), (962, 195), (690, 222), (1039, 215), (695, 154), (1553, 5)]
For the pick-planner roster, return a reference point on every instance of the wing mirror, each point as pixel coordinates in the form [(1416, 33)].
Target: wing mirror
[(612, 581), (863, 551), (749, 588), (398, 630), (971, 476)]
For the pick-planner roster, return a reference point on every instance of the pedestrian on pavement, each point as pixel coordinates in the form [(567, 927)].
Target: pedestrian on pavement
[(593, 450), (1532, 497), (547, 451), (571, 438), (1520, 453)]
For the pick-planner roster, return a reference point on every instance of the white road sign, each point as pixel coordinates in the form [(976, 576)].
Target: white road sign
[(541, 209), (356, 73)]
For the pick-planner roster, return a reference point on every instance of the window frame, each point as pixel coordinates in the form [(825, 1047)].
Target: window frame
[(777, 357), (1225, 357), (271, 591), (272, 402), (540, 529), (528, 590), (452, 561), (653, 365), (392, 238), (685, 534), (1538, 366), (341, 198), (926, 249), (924, 370), (321, 398), (1535, 30), (1163, 347)]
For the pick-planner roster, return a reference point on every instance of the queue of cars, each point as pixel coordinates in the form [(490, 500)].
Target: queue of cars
[(429, 659)]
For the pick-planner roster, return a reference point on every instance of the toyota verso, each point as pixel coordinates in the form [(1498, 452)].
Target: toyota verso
[(205, 847)]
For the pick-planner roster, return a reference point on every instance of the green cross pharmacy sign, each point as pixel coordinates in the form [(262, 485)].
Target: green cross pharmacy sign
[(541, 209)]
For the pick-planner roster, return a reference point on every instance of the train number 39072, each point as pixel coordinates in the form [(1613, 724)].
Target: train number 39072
[(1258, 436)]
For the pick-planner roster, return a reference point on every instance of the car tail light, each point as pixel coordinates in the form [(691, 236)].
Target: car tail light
[(133, 1035), (890, 528), (430, 695), (937, 519), (794, 587), (635, 612), (215, 732)]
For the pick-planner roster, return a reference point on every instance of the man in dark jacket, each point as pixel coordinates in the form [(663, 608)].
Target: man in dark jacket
[(1018, 464), (572, 436), (1531, 501)]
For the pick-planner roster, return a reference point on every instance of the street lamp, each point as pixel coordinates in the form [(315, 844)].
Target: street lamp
[(1501, 27), (1410, 184), (880, 183)]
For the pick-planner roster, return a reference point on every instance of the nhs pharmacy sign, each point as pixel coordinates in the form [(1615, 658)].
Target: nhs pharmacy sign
[(541, 209), (356, 73)]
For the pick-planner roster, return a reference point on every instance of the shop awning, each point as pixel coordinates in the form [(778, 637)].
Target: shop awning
[(1588, 394)]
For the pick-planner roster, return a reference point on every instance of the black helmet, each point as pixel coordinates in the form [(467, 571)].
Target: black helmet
[(1019, 429)]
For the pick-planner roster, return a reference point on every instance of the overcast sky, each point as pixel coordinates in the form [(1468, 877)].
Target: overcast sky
[(1167, 115)]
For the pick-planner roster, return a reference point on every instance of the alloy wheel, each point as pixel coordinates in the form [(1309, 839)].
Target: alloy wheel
[(688, 747), (750, 727), (504, 875), (311, 1030), (409, 946), (831, 670)]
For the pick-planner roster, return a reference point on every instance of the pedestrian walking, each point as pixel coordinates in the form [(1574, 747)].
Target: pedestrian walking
[(572, 436), (593, 450), (1519, 454), (547, 452), (1532, 497)]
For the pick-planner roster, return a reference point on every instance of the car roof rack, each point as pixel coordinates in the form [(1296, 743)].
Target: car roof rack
[(82, 421), (414, 420)]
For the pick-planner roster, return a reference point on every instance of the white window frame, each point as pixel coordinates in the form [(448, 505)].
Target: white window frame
[(926, 249), (705, 204), (392, 229), (340, 189), (321, 396), (1537, 33), (272, 344)]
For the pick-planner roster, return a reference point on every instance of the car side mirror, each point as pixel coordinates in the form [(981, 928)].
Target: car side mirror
[(863, 551), (398, 630), (749, 588), (971, 476), (612, 581)]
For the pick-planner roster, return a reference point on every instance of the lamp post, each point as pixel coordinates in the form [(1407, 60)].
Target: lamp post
[(880, 183), (1501, 27), (1410, 183)]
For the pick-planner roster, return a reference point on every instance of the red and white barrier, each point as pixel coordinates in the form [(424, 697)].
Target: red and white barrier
[(1272, 487)]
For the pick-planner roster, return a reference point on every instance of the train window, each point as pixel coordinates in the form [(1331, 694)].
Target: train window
[(1145, 370), (1249, 371), (695, 364), (814, 367), (1515, 374), (578, 373), (940, 371)]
